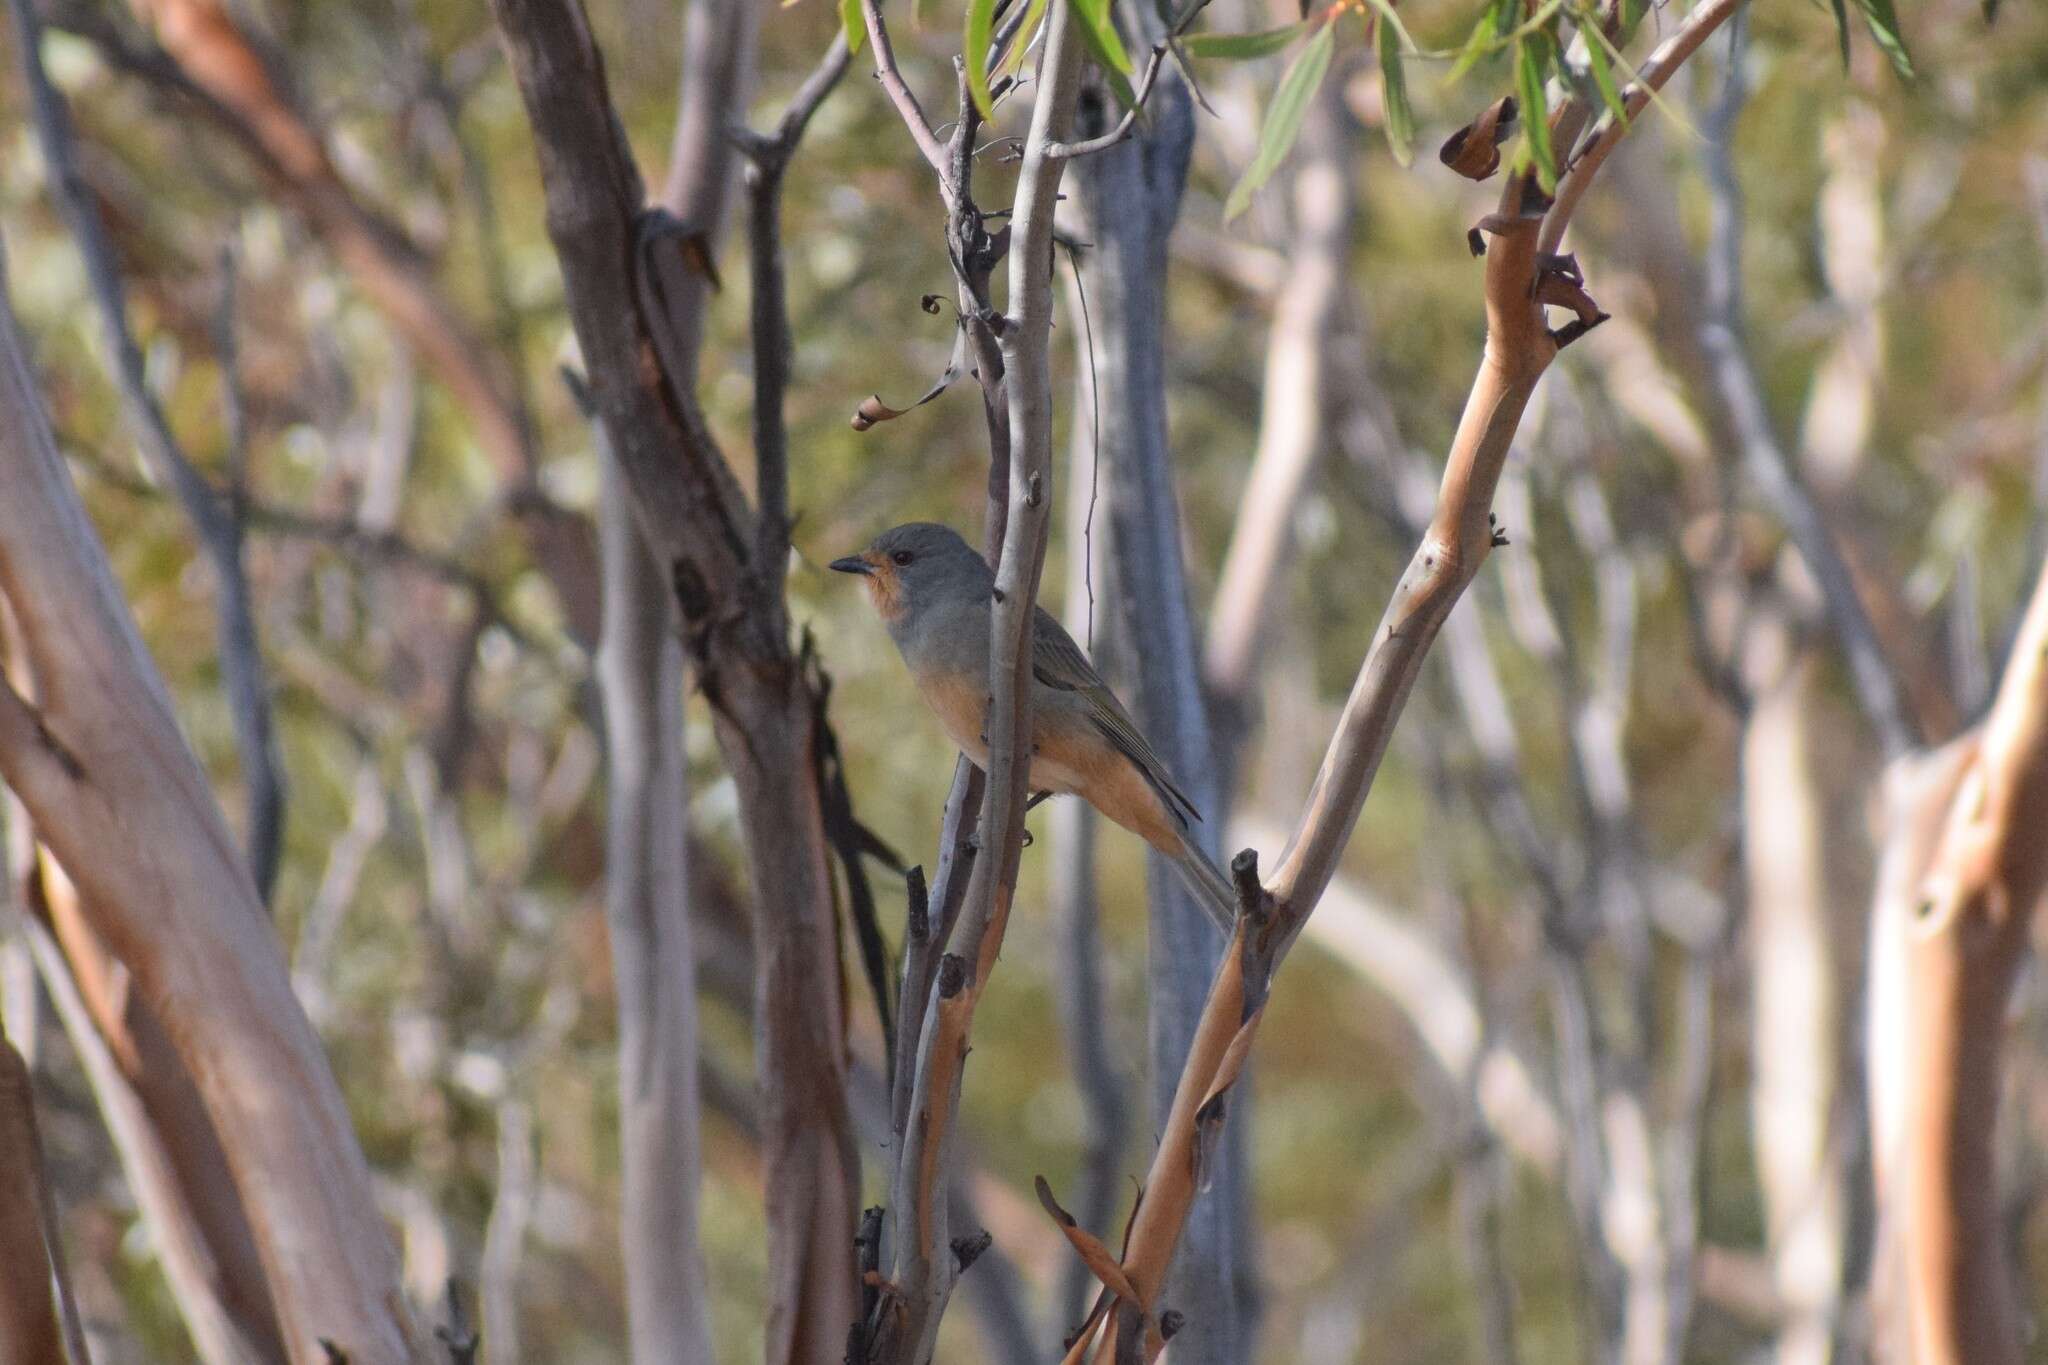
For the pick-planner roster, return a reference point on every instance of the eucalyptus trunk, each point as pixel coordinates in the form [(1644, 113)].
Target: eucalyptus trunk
[(1129, 196)]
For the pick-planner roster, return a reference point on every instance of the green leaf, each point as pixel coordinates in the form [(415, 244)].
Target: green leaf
[(1020, 42), (1385, 10), (1241, 47), (1107, 58), (855, 25), (1531, 69), (1483, 41), (1400, 118), (981, 22), (1103, 43), (1603, 71), (1884, 27), (1284, 117)]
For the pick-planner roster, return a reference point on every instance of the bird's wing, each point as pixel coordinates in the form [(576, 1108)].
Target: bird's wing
[(1059, 663)]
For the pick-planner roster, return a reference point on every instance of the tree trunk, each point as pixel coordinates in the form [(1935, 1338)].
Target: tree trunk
[(647, 911), (639, 669), (1130, 196), (122, 805), (1795, 1012)]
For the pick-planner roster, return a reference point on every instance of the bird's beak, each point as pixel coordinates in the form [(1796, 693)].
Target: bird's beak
[(852, 564)]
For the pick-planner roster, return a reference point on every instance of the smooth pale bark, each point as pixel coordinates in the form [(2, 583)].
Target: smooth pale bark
[(1294, 413), (1071, 882), (1970, 906), (1795, 1011), (169, 1153), (647, 912), (639, 671), (121, 803), (173, 1159)]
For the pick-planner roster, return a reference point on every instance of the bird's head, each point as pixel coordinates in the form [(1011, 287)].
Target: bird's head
[(915, 565)]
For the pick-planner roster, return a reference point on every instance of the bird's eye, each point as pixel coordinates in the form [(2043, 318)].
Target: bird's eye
[(903, 556)]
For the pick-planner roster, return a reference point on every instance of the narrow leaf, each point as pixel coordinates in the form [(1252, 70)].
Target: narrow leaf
[(1530, 74), (1388, 15), (1603, 71), (1101, 36), (1884, 27), (1400, 118), (1284, 117), (1020, 42), (1483, 41), (855, 25), (1239, 47), (981, 22)]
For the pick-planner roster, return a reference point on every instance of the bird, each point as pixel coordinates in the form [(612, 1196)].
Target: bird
[(934, 593)]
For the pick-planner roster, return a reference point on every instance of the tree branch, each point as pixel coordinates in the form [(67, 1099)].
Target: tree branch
[(1766, 460), (1519, 347), (904, 1325), (121, 803), (213, 517)]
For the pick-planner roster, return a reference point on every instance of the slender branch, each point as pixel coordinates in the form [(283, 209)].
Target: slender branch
[(1607, 134), (1518, 349), (1068, 151), (796, 116), (905, 99), (768, 159), (905, 1325), (1765, 458), (213, 517)]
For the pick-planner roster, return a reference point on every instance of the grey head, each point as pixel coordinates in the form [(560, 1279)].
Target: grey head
[(913, 568)]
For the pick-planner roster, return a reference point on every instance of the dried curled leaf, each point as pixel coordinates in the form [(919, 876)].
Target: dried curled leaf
[(1474, 150), (1560, 284), (1093, 1253), (872, 411)]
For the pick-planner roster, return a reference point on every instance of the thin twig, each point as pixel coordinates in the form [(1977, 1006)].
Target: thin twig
[(1765, 459), (903, 97), (1067, 151), (1607, 134)]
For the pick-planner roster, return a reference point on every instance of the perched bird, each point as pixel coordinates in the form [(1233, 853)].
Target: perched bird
[(935, 592)]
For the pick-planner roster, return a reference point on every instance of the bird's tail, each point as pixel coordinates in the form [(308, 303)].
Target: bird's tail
[(1212, 889)]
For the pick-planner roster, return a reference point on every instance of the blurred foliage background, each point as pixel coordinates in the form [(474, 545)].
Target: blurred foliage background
[(441, 887)]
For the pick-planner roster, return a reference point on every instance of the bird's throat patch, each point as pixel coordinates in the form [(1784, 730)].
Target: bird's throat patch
[(885, 590)]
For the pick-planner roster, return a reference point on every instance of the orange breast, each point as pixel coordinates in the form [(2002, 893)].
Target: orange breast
[(960, 704)]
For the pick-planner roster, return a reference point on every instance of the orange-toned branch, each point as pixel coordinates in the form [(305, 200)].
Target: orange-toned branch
[(1969, 916), (1521, 278)]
